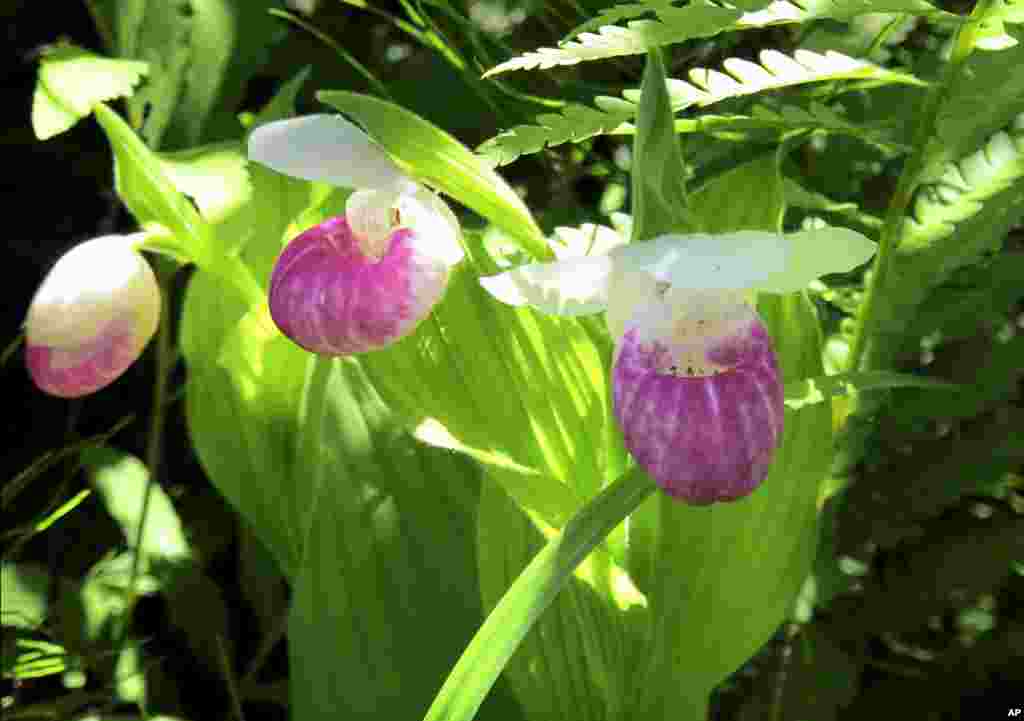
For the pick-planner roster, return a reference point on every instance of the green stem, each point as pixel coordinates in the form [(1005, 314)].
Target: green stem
[(164, 360), (330, 42), (532, 592), (909, 181)]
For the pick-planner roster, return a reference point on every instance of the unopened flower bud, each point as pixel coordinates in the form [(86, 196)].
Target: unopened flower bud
[(92, 316)]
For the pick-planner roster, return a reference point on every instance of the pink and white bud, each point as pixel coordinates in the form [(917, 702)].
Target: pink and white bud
[(360, 282), (696, 385), (92, 316)]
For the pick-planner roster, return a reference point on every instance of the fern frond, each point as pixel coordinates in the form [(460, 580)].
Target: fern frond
[(986, 96), (965, 186), (954, 222), (776, 70), (700, 18), (741, 77)]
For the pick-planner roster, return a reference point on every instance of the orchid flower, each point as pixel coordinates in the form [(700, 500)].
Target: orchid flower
[(696, 386), (361, 281), (92, 316)]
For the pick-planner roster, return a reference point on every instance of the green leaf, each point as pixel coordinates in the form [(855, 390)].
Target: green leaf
[(201, 53), (218, 178), (758, 182), (71, 80), (245, 379), (576, 662), (122, 483), (362, 519), (95, 616), (659, 175), (550, 499), (23, 601), (809, 391), (215, 176), (530, 594), (371, 630), (23, 657), (697, 19), (228, 42), (558, 425), (196, 605), (432, 155), (160, 34), (149, 194), (800, 197)]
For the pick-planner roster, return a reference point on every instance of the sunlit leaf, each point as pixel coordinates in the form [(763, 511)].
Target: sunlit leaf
[(531, 594), (149, 194), (72, 80), (122, 483), (809, 391), (440, 160), (23, 601)]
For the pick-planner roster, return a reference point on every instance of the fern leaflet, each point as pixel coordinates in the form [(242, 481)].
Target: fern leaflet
[(698, 19), (955, 220), (579, 122), (961, 191)]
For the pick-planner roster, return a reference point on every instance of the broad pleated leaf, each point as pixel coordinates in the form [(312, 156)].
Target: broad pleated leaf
[(577, 661)]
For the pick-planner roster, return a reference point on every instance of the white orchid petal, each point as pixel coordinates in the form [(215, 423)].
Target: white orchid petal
[(813, 253), (434, 222), (744, 259), (325, 148), (588, 239), (371, 216), (575, 286), (627, 291)]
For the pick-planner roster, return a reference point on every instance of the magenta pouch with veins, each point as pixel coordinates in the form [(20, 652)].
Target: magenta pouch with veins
[(361, 281), (92, 316), (696, 386)]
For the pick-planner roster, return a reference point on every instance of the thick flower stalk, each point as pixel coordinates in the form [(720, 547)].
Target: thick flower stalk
[(92, 316), (361, 281), (695, 383)]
